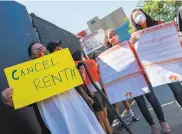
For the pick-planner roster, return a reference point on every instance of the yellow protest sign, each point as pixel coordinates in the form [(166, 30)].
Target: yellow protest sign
[(42, 78)]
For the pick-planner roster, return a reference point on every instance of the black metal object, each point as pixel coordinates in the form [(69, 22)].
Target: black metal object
[(105, 99)]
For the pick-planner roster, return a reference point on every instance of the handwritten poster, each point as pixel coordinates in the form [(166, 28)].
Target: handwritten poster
[(121, 74), (160, 53), (93, 41), (42, 78)]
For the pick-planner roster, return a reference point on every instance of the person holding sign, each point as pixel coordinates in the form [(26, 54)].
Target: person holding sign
[(66, 112), (141, 20), (111, 39), (175, 87)]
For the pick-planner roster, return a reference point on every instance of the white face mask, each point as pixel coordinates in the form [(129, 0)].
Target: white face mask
[(139, 19)]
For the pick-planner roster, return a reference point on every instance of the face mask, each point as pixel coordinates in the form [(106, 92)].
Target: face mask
[(140, 18), (40, 54)]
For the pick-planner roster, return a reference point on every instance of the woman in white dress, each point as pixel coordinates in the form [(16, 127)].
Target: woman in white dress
[(65, 113)]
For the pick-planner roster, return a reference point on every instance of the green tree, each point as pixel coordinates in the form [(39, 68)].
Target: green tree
[(130, 26), (165, 10)]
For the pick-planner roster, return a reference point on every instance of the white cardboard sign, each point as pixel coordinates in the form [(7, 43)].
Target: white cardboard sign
[(93, 41), (121, 74), (160, 53)]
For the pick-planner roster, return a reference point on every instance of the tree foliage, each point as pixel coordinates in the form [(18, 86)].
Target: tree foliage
[(165, 10), (130, 31)]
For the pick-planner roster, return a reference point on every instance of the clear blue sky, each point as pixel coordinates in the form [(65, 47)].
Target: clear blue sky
[(72, 16)]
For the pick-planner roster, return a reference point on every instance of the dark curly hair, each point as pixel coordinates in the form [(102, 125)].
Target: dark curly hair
[(150, 21)]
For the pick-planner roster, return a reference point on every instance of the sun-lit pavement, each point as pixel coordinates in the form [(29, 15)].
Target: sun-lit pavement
[(171, 110)]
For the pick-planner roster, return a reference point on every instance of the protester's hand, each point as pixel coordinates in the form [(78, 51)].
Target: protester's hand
[(90, 100), (7, 96), (133, 39)]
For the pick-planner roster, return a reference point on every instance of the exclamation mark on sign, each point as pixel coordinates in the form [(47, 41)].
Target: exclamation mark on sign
[(71, 73), (74, 75)]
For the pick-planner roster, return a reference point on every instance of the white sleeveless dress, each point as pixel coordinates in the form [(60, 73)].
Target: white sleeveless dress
[(68, 113)]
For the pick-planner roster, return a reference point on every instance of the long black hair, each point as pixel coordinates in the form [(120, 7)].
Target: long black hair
[(150, 21)]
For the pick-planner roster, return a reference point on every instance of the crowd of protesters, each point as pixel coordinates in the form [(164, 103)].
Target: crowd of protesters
[(82, 110)]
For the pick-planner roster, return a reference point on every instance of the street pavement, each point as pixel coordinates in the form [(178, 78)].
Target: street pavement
[(172, 112)]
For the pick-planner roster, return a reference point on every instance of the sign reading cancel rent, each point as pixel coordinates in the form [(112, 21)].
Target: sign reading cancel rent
[(42, 78)]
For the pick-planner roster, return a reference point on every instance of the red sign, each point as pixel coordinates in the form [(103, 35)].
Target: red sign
[(82, 33)]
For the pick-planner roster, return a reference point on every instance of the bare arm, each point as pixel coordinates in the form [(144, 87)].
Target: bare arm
[(100, 82), (85, 95)]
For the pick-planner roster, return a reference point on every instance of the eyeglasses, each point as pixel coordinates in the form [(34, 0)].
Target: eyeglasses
[(36, 51), (40, 49)]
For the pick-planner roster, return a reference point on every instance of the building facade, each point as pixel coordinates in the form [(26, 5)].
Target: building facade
[(113, 20)]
